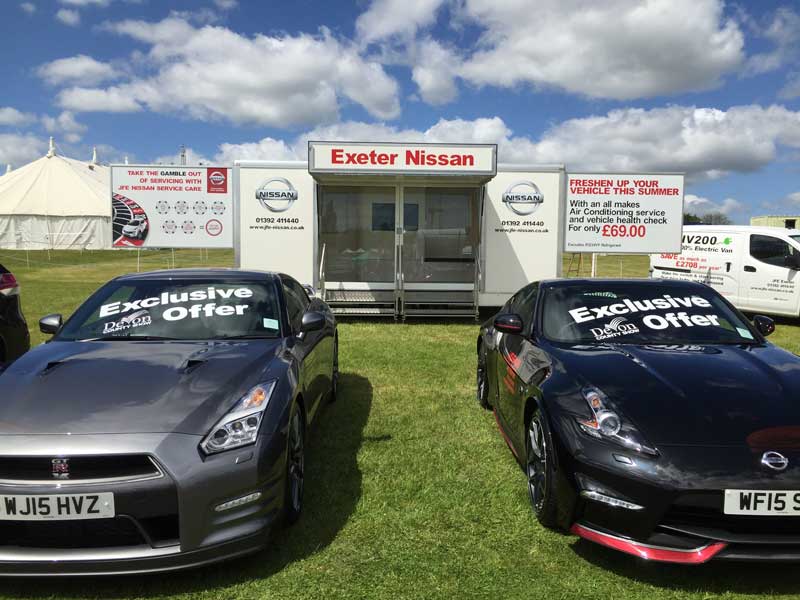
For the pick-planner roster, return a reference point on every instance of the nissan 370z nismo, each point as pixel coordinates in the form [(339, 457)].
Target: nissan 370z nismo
[(164, 424), (650, 417)]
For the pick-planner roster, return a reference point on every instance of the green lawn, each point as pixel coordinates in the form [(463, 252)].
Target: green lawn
[(411, 491)]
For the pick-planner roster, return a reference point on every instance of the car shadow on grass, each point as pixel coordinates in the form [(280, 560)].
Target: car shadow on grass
[(333, 490), (710, 578)]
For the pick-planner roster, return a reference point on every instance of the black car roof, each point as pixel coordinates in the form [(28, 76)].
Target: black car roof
[(222, 274)]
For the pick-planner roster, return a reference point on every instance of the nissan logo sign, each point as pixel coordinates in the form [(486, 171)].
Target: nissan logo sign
[(217, 178), (276, 194), (523, 198), (774, 460)]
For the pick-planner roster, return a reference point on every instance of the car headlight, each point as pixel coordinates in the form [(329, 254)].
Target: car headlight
[(606, 423), (240, 426)]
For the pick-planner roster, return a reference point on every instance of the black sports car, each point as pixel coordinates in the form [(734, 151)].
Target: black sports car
[(163, 426), (649, 416), (14, 337)]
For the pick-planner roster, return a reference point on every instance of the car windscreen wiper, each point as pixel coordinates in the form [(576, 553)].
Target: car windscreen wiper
[(111, 338), (248, 336)]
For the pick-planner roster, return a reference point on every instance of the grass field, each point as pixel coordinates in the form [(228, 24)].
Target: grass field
[(411, 492)]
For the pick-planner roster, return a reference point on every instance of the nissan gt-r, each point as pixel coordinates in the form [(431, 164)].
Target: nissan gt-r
[(163, 426)]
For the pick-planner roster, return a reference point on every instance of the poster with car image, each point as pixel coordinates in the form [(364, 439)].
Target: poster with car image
[(157, 206)]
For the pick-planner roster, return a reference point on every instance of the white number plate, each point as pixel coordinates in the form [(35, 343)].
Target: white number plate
[(56, 507), (784, 503)]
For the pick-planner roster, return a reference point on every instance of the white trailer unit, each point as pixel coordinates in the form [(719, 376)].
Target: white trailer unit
[(401, 229), (755, 268)]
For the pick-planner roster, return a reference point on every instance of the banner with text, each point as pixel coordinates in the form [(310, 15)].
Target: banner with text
[(624, 213), (156, 206), (428, 159)]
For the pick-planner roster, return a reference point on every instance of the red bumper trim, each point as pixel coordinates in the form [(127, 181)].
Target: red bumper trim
[(695, 556)]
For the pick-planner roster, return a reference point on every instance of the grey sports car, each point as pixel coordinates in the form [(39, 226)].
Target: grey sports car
[(164, 424)]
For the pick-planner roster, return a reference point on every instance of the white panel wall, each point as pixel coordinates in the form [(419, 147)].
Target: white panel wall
[(276, 241), (519, 249)]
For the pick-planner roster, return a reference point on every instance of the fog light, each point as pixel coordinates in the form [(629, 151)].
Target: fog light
[(238, 502), (598, 493)]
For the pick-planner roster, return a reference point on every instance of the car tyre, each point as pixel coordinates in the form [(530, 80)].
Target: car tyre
[(295, 468), (334, 393), (540, 469), (482, 380)]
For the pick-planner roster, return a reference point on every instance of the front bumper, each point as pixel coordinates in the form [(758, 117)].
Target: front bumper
[(162, 523), (678, 512)]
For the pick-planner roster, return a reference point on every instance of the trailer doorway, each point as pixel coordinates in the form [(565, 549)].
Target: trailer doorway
[(400, 250)]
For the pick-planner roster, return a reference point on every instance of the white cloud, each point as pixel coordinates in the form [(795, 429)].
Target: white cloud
[(702, 142), (699, 205), (434, 72), (17, 150), (794, 197), (113, 100), (213, 73), (12, 117), (388, 18), (791, 89), (783, 31), (28, 7), (65, 123), (614, 49), (68, 17), (226, 4), (77, 70), (81, 3)]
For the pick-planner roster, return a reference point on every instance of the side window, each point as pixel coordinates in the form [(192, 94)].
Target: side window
[(525, 304), (296, 301), (770, 250)]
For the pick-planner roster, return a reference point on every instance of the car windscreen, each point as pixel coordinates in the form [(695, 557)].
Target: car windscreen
[(196, 309), (640, 313)]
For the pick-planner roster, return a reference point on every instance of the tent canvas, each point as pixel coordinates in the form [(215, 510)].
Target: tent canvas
[(55, 202)]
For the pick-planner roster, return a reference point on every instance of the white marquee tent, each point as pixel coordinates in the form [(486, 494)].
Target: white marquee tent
[(55, 202)]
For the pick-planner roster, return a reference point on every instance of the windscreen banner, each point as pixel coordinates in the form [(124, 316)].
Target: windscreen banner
[(623, 213), (157, 206)]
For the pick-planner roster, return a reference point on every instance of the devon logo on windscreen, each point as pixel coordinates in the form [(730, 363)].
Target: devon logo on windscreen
[(617, 327), (523, 198), (277, 194)]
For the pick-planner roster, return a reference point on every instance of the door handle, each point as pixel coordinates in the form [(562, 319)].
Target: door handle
[(749, 269)]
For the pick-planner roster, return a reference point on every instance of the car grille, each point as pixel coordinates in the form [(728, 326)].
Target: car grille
[(704, 511), (95, 533), (30, 469)]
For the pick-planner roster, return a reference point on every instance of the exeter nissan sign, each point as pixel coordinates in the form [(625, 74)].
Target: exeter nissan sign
[(430, 159)]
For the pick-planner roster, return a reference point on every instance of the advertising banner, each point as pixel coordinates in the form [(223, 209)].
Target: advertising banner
[(623, 213), (521, 230), (277, 230), (157, 206), (431, 159)]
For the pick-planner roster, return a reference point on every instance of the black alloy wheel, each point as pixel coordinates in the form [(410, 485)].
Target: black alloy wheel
[(540, 470), (334, 394), (295, 468), (482, 381)]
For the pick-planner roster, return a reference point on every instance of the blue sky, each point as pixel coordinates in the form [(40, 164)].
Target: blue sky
[(700, 86)]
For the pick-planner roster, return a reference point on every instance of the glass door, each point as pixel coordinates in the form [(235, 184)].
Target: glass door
[(441, 234), (357, 236)]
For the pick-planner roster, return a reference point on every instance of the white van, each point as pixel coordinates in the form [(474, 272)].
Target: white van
[(756, 268)]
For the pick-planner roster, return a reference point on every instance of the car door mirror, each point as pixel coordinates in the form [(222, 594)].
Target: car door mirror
[(312, 321), (765, 325), (508, 323), (50, 324), (792, 261)]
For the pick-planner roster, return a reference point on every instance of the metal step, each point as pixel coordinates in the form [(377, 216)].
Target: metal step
[(439, 312), (371, 311)]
